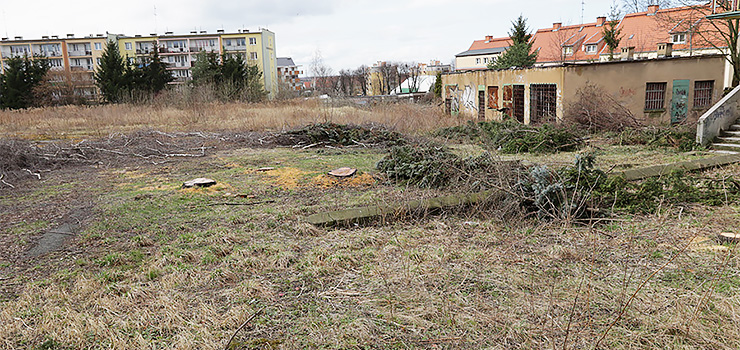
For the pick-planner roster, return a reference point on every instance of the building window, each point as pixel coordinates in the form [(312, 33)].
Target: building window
[(493, 97), (679, 38), (485, 60), (97, 60), (590, 48), (543, 103), (654, 96), (252, 41), (252, 55), (241, 42), (567, 50), (98, 46), (477, 61), (703, 93), (128, 46)]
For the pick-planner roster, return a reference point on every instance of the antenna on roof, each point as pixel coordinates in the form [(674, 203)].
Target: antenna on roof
[(6, 24), (155, 18), (583, 9)]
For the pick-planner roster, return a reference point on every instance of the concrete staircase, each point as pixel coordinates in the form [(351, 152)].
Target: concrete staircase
[(728, 141)]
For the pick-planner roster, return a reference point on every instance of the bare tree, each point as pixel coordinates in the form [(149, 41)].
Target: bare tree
[(346, 82), (321, 73), (630, 6), (360, 76), (411, 74), (388, 77), (720, 35)]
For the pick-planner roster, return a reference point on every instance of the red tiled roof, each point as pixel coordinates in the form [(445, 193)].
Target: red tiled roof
[(641, 30), (644, 30), (550, 42), (490, 43)]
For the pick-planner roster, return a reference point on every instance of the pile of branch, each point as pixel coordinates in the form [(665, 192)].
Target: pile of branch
[(596, 110), (22, 158)]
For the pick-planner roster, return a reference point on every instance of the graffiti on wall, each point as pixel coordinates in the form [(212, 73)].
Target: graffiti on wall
[(462, 99)]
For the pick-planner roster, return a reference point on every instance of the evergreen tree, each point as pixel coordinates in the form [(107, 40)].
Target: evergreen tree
[(519, 54), (18, 81), (438, 85), (232, 77), (612, 34), (154, 73), (110, 77)]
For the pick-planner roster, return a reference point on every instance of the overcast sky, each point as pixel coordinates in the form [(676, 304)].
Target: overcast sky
[(347, 33)]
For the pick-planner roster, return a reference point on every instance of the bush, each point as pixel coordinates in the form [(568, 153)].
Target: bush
[(342, 135)]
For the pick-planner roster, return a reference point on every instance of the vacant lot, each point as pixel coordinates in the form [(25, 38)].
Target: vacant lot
[(110, 251)]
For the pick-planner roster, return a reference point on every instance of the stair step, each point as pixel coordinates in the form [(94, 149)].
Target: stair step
[(729, 139), (726, 147), (735, 127), (721, 151), (731, 133)]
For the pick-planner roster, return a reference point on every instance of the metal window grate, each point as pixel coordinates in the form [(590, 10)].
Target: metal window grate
[(703, 93), (655, 96), (543, 103)]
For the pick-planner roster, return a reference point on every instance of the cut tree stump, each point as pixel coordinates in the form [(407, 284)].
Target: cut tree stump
[(729, 237), (199, 182)]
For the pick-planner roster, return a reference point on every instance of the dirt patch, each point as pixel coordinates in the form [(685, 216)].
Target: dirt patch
[(328, 181)]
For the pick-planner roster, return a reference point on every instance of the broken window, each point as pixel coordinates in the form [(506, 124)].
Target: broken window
[(703, 93), (514, 101), (543, 103), (493, 97), (654, 96)]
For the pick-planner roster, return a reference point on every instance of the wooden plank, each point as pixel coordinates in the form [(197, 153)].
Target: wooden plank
[(372, 212), (665, 169)]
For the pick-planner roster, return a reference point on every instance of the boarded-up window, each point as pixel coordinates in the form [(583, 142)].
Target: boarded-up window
[(542, 103), (481, 105), (493, 97), (703, 93), (518, 102), (654, 96)]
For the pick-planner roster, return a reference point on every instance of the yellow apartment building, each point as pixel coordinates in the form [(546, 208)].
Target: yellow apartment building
[(78, 58)]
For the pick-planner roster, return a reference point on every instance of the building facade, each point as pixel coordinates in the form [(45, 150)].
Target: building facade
[(80, 57), (655, 33), (658, 91), (288, 73), (69, 57)]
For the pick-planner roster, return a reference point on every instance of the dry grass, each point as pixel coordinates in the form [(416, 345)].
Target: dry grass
[(72, 122), (157, 268)]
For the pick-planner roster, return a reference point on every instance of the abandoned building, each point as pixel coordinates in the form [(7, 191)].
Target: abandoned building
[(656, 91)]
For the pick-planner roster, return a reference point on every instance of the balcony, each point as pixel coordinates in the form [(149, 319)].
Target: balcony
[(79, 53)]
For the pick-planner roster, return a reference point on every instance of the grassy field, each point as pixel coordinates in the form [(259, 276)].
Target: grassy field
[(153, 265)]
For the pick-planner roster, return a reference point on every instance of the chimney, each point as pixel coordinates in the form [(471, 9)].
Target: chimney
[(665, 49), (45, 37), (652, 9), (19, 38), (193, 32), (600, 21), (168, 33), (69, 36), (220, 31), (489, 38), (556, 25), (55, 36), (628, 53), (203, 32)]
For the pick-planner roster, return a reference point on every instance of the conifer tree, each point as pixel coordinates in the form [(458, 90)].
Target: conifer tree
[(110, 77), (612, 34), (519, 54), (18, 81), (438, 85), (155, 73)]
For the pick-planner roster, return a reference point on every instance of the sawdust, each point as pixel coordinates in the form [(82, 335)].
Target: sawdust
[(287, 177), (217, 188), (327, 181)]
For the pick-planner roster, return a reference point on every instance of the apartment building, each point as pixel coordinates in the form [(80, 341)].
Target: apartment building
[(288, 73), (75, 58), (180, 51), (79, 57)]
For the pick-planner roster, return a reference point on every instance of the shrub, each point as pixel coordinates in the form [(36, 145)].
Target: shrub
[(593, 109)]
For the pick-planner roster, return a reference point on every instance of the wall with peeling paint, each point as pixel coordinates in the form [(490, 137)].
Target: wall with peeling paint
[(626, 81), (462, 88)]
